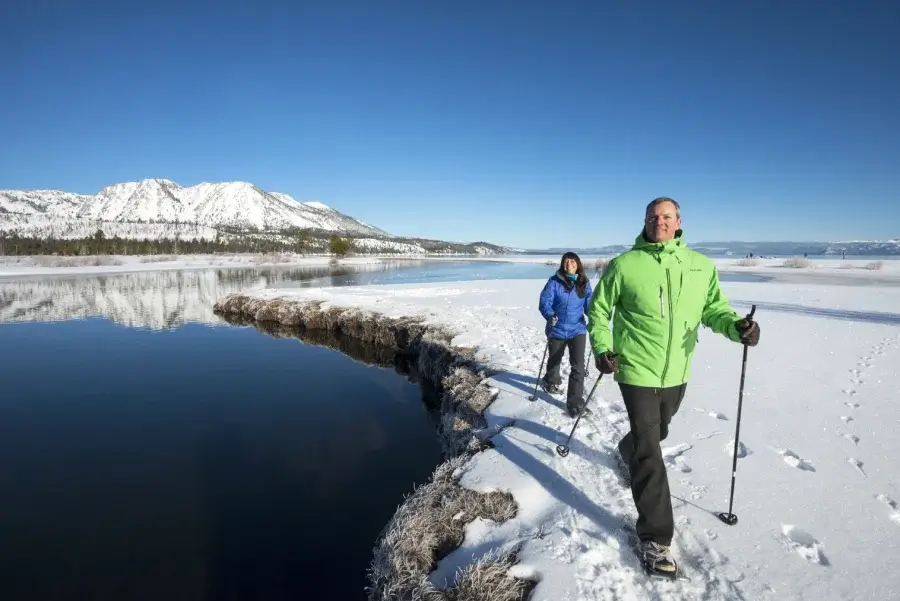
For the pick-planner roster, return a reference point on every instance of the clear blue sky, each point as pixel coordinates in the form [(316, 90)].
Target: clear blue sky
[(533, 124)]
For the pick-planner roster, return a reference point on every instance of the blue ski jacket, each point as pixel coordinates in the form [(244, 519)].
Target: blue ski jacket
[(560, 297)]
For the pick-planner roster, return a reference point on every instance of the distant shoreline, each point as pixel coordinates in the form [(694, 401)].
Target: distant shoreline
[(783, 269)]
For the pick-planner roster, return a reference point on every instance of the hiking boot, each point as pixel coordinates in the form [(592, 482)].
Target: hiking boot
[(658, 559), (550, 388), (576, 410)]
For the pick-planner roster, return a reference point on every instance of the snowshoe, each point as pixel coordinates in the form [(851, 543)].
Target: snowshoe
[(550, 388), (658, 561), (582, 410)]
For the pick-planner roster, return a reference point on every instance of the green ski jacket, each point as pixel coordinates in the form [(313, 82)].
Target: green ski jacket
[(661, 293)]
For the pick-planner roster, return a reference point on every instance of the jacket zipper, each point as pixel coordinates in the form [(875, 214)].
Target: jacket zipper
[(565, 309), (662, 382), (662, 311)]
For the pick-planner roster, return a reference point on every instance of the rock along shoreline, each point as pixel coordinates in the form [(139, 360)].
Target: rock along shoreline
[(431, 521)]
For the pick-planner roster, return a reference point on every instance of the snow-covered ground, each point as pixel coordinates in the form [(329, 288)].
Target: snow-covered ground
[(51, 265), (818, 485)]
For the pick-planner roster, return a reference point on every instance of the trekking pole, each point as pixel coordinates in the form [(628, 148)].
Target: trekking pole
[(729, 518), (563, 449), (533, 396)]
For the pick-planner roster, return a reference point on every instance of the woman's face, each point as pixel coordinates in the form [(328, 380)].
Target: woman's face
[(571, 266)]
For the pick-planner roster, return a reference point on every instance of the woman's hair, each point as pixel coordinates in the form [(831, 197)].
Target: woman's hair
[(582, 280)]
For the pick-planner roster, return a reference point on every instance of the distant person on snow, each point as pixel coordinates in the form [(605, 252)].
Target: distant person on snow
[(661, 292), (563, 303)]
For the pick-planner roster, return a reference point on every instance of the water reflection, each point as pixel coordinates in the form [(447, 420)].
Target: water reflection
[(159, 300), (156, 300)]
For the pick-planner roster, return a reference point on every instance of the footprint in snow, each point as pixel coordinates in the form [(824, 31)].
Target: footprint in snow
[(850, 392), (895, 515), (856, 381), (742, 450), (851, 437), (852, 405), (887, 501), (713, 414), (804, 544), (794, 460), (706, 436), (672, 456), (857, 464), (846, 419)]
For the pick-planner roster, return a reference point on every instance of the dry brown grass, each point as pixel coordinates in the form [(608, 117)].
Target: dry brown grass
[(431, 521), (796, 263), (747, 262), (426, 528), (488, 579), (600, 265)]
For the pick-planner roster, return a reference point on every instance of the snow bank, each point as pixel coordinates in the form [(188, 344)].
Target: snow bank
[(15, 266), (817, 485)]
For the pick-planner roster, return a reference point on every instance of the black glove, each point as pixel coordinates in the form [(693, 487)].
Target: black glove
[(552, 321), (748, 330), (607, 363)]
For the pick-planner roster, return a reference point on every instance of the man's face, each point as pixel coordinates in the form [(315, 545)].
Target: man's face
[(662, 222)]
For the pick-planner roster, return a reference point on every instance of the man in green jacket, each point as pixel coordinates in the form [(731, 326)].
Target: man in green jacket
[(661, 292)]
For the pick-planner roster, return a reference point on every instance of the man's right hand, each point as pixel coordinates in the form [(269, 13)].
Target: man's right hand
[(607, 362), (552, 321)]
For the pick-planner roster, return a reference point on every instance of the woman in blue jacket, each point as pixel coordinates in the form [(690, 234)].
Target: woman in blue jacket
[(563, 303)]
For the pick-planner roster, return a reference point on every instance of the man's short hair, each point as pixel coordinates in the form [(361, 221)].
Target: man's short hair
[(659, 201)]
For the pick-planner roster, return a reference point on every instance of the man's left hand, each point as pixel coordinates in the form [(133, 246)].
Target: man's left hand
[(748, 331)]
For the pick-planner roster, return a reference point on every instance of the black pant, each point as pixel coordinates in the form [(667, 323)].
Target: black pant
[(575, 390), (649, 412)]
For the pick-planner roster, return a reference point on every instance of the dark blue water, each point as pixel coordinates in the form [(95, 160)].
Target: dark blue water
[(195, 462)]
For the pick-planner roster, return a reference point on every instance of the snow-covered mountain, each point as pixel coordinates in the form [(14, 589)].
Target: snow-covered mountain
[(232, 205)]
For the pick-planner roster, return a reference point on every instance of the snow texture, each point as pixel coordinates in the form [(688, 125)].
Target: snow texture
[(817, 516)]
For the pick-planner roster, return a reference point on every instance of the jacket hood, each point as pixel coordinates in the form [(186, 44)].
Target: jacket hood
[(563, 277), (669, 247)]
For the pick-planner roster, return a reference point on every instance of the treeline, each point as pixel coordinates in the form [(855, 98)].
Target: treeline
[(100, 244), (225, 241)]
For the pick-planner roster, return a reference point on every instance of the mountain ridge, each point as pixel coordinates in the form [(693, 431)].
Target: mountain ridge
[(159, 209), (232, 204)]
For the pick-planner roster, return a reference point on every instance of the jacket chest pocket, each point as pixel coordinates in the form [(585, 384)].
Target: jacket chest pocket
[(693, 295), (649, 300)]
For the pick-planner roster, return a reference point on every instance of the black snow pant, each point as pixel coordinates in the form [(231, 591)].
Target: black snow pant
[(575, 390), (649, 412)]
